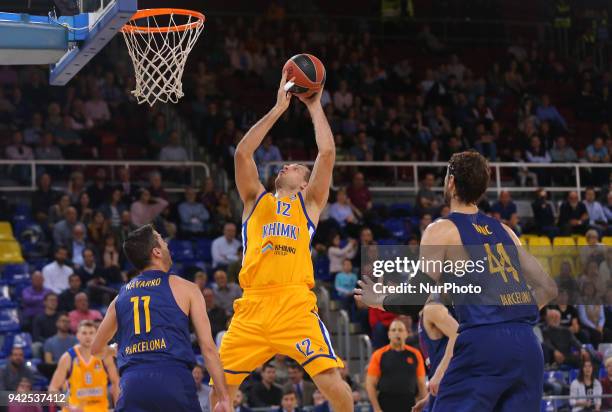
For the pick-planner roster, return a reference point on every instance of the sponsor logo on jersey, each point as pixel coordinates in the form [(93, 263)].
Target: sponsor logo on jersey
[(268, 246), (279, 229)]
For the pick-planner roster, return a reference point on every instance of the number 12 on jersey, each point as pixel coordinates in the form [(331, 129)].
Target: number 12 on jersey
[(135, 301)]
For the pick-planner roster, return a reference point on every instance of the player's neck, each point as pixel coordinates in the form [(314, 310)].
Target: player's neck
[(459, 207), (157, 267), (284, 193), (85, 352)]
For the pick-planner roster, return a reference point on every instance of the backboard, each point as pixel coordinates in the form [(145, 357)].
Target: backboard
[(65, 43)]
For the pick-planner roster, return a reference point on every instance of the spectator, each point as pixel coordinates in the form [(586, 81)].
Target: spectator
[(46, 150), (592, 251), (24, 387), (597, 216), (146, 209), (57, 272), (238, 402), (173, 151), (543, 214), (379, 323), (33, 134), (598, 153), (76, 186), (266, 393), (396, 374), (548, 112), (267, 152), (59, 343), (62, 230), (342, 210), (43, 198), (561, 346), (573, 215), (129, 189), (112, 210), (343, 98), (194, 216), (225, 248), (562, 153), (224, 212), (84, 209), (202, 389), (345, 281), (98, 229), (359, 194), (32, 298), (303, 389), (78, 245), (14, 371), (504, 208), (225, 292), (19, 151), (66, 298), (208, 196), (44, 324), (427, 201), (99, 191), (58, 210), (585, 385), (96, 107), (337, 255), (233, 269), (289, 401), (125, 227), (606, 385), (82, 312), (216, 315)]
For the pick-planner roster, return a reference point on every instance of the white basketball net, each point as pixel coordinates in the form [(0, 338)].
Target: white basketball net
[(159, 53)]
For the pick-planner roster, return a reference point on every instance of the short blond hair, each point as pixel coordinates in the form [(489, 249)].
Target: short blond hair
[(608, 361)]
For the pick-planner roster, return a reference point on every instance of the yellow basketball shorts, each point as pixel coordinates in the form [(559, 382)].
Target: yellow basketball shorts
[(276, 320)]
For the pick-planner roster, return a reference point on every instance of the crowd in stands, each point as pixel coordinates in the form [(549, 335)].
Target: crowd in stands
[(523, 103)]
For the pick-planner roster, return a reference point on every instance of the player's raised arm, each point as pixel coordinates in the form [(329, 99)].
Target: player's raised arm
[(105, 332), (543, 287), (317, 191), (201, 324), (247, 178)]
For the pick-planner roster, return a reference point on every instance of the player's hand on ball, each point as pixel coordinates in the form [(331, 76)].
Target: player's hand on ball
[(365, 293), (313, 100), (283, 98), (223, 406)]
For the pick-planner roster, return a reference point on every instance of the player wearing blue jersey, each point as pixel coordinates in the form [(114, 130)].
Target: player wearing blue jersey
[(497, 363), (437, 335), (151, 317)]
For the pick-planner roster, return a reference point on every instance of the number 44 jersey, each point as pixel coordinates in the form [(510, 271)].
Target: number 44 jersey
[(152, 328)]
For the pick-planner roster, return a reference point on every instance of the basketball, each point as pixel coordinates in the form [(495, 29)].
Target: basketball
[(308, 73)]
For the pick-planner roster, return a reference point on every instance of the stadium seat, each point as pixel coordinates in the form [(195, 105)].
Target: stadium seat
[(397, 228), (6, 231), (181, 250), (400, 210), (540, 246), (564, 245), (607, 240), (580, 240), (321, 269), (573, 374), (23, 340), (9, 319), (526, 239), (10, 252), (16, 273), (203, 250), (554, 376)]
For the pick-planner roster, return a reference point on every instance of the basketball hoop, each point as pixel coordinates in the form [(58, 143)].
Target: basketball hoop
[(159, 41)]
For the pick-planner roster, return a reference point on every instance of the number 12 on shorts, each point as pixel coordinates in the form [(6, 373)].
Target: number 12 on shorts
[(304, 347)]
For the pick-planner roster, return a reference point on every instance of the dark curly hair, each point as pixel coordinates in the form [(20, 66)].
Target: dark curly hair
[(471, 172)]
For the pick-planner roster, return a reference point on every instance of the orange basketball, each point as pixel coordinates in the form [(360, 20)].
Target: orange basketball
[(309, 74)]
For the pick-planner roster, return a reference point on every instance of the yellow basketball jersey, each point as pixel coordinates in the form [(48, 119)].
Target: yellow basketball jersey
[(276, 240), (87, 383)]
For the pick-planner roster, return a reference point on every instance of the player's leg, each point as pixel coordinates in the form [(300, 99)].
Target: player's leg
[(526, 394), (335, 389), (300, 334)]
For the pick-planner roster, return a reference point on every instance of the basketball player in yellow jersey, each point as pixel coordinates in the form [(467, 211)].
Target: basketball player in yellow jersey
[(87, 375), (278, 311)]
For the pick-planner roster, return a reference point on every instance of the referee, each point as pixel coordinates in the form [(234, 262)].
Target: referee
[(396, 374)]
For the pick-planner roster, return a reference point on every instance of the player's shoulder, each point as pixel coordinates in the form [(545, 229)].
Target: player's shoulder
[(441, 231), (182, 285)]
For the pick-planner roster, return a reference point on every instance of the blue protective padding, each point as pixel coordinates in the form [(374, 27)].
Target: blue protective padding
[(99, 34), (30, 41)]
